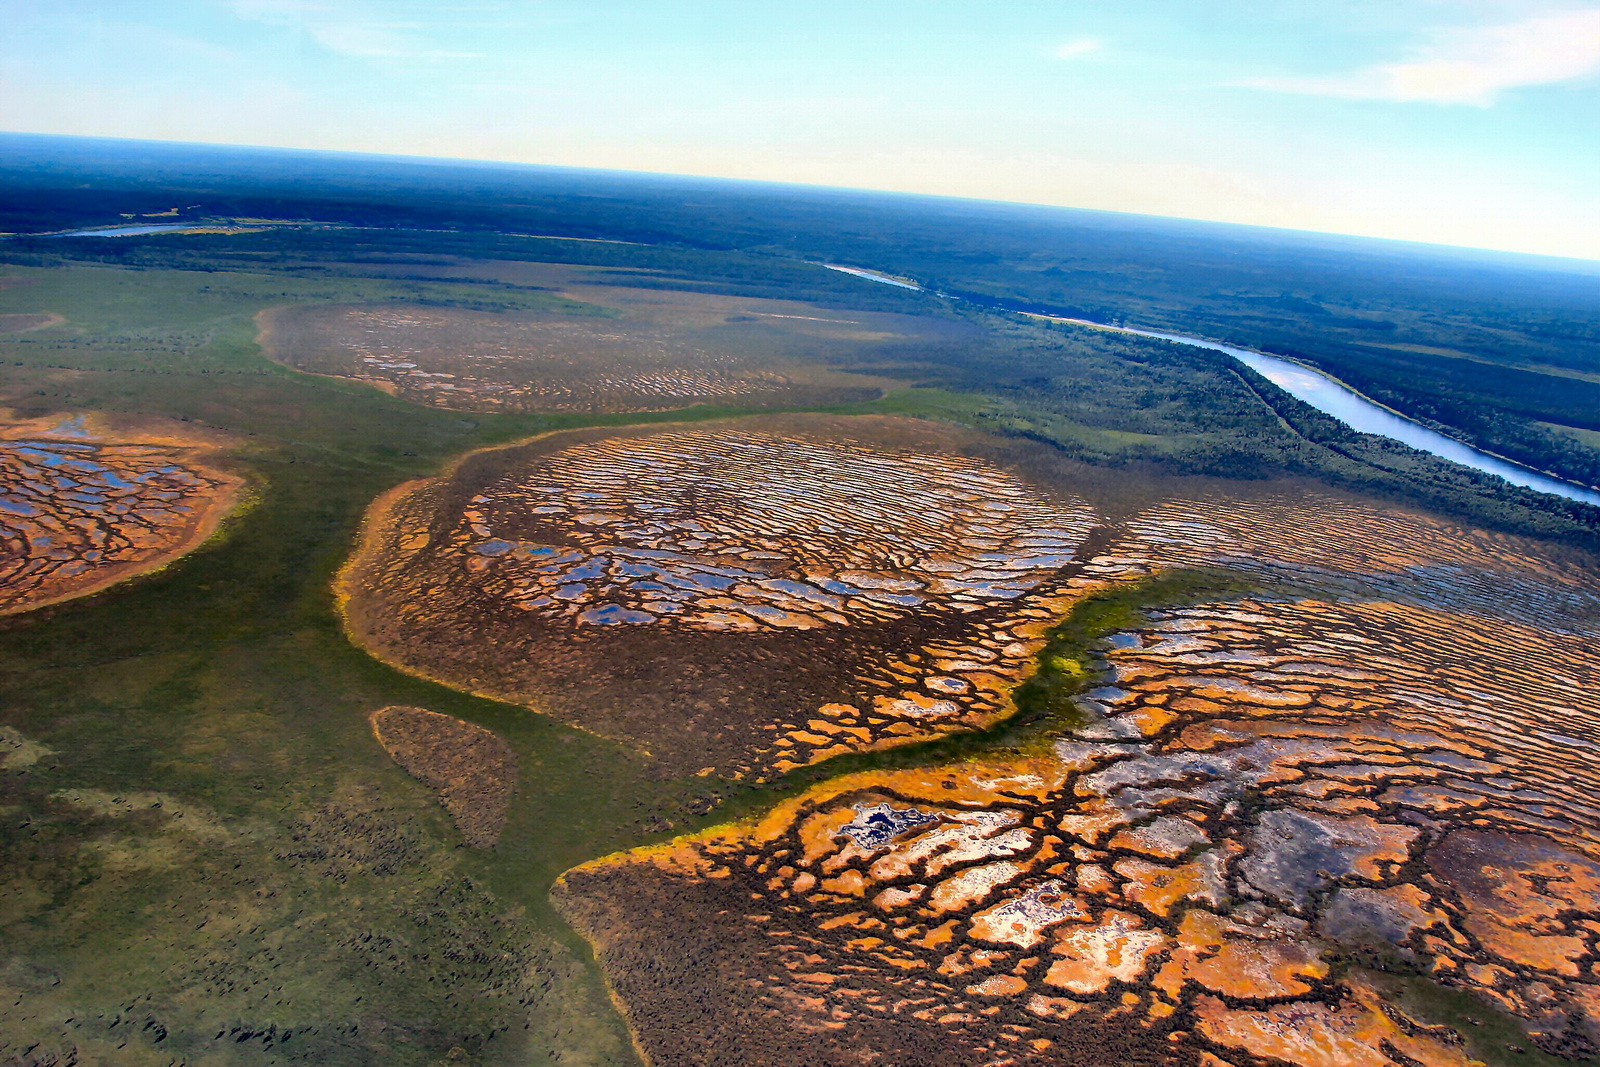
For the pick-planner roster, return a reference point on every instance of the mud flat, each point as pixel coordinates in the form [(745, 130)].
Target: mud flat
[(1368, 767), (82, 508), (738, 598)]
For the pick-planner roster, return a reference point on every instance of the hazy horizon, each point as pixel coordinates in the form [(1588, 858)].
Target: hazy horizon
[(1471, 124), (1378, 239)]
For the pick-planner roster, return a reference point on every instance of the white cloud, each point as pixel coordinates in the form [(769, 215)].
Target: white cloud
[(1080, 47), (276, 11), (1470, 66), (375, 41), (350, 28)]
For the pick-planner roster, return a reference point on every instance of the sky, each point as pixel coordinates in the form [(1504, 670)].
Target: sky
[(1465, 122)]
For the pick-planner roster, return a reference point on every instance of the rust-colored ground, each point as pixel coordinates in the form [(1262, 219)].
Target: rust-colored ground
[(83, 507), (473, 770), (1382, 758), (1386, 757)]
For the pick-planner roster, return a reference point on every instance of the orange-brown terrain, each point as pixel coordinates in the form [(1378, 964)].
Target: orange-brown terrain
[(473, 769), (619, 349), (1380, 761), (742, 597), (1377, 760), (81, 509)]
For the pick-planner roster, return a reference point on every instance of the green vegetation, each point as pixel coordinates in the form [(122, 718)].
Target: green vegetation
[(1588, 438), (1046, 707), (1118, 401), (336, 901), (1485, 346), (1069, 664), (1488, 1033), (1047, 701)]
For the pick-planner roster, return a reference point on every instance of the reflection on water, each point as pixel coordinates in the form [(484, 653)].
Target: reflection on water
[(874, 276), (125, 231), (1359, 413), (1332, 398)]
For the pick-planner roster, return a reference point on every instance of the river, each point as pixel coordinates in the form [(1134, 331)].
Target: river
[(1330, 396), (875, 276)]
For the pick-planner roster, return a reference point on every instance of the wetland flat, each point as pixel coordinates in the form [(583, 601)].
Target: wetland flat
[(1015, 695), (1349, 764), (609, 348), (1363, 762)]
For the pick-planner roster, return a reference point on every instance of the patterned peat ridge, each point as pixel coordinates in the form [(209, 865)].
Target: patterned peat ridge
[(473, 770), (597, 348), (1363, 763), (1372, 757), (742, 597), (81, 510)]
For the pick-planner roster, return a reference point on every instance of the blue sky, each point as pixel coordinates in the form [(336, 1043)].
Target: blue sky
[(1454, 121)]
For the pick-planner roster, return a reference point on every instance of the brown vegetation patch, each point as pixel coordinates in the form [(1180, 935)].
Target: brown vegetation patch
[(21, 322), (622, 349), (473, 769)]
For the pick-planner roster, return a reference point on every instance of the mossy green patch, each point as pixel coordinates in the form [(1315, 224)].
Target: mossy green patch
[(1489, 1033), (1046, 705)]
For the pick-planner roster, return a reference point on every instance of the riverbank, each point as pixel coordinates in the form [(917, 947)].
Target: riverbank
[(1322, 391)]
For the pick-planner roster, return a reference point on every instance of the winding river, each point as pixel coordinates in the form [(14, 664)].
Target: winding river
[(1331, 396)]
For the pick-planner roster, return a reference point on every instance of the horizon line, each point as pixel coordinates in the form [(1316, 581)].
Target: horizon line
[(1586, 261)]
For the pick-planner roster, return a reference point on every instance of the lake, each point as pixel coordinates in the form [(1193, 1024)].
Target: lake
[(124, 231)]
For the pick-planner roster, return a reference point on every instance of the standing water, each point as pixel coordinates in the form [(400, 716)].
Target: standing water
[(134, 230)]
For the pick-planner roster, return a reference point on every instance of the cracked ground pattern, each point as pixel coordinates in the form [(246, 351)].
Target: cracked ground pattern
[(78, 513), (737, 599), (1273, 799)]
